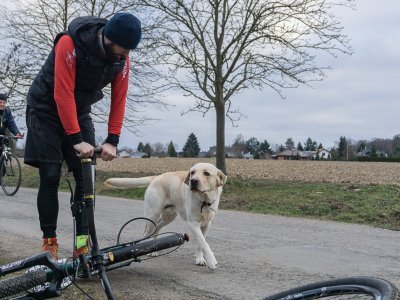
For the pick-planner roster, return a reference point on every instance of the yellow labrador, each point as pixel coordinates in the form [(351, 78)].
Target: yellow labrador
[(194, 195)]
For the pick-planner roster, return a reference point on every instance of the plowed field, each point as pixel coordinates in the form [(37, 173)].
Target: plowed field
[(308, 171)]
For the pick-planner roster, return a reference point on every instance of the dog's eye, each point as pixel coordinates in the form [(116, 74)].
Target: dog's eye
[(191, 173), (206, 173)]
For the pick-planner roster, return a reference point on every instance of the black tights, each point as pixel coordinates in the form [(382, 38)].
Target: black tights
[(47, 199)]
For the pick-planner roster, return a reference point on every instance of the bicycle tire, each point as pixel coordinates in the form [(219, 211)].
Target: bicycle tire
[(11, 175), (376, 288), (21, 283)]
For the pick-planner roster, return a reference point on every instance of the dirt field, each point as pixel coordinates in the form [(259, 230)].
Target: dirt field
[(309, 171)]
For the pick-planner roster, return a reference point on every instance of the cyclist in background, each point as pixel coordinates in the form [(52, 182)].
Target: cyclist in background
[(7, 120), (93, 53)]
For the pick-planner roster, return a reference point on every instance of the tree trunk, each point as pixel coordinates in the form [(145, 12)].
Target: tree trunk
[(220, 151)]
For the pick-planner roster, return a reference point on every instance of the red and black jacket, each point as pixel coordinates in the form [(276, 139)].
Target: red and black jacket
[(73, 76)]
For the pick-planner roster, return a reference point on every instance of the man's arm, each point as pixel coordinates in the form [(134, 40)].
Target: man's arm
[(64, 87), (119, 90), (11, 124), (64, 96)]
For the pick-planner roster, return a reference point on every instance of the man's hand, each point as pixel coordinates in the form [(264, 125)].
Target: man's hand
[(84, 150), (19, 136), (109, 152)]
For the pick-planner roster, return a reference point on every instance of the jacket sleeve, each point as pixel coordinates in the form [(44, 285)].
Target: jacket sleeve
[(11, 123), (64, 87), (119, 90)]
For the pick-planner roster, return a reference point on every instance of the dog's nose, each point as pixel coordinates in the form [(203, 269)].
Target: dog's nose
[(194, 183)]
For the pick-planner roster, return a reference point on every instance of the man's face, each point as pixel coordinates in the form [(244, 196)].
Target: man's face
[(2, 104), (115, 53)]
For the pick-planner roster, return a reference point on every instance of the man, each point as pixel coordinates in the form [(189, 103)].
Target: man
[(7, 120), (93, 53)]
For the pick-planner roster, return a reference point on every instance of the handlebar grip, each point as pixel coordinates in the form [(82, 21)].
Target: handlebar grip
[(88, 178)]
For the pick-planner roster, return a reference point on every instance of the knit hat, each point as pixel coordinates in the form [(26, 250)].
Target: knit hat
[(3, 97), (124, 29)]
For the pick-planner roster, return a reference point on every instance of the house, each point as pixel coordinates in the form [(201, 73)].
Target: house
[(293, 154), (248, 155), (126, 152), (368, 153), (138, 154), (322, 153), (264, 155)]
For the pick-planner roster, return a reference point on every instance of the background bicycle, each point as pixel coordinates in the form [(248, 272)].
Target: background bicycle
[(10, 167)]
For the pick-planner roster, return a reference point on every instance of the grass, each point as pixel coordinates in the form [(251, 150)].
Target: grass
[(374, 204)]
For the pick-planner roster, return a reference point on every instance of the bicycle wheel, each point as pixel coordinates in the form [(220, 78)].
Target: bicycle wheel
[(343, 288), (11, 174), (21, 283)]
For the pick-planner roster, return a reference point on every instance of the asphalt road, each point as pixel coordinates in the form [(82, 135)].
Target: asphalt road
[(258, 254)]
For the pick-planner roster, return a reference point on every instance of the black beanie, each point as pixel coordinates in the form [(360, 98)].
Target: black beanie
[(3, 97), (124, 29)]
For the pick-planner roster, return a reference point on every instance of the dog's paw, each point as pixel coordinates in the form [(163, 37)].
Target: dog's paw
[(153, 254), (212, 265), (211, 261), (200, 261)]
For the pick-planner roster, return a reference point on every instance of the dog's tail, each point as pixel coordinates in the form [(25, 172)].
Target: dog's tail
[(126, 183)]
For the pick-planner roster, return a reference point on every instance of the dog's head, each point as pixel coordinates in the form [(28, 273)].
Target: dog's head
[(205, 177)]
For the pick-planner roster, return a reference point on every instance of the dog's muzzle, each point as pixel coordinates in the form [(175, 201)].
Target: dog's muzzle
[(194, 184)]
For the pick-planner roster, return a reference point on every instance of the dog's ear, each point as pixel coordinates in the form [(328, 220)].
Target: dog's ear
[(187, 179), (221, 178)]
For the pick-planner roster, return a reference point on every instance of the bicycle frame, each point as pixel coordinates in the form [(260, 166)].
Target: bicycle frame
[(4, 145), (111, 258), (99, 260)]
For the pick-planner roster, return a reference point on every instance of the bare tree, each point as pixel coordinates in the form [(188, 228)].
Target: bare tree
[(218, 48), (28, 32)]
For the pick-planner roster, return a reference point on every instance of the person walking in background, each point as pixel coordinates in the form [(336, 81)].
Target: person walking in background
[(92, 54)]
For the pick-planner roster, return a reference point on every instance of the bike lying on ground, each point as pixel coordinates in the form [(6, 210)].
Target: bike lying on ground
[(10, 167), (46, 278), (343, 288)]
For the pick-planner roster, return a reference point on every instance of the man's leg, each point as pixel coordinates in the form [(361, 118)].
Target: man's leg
[(47, 199), (43, 150), (47, 204)]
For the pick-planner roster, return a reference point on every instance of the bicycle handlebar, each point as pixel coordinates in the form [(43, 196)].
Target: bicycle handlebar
[(56, 272)]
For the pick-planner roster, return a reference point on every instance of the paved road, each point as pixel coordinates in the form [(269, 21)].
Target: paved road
[(257, 254)]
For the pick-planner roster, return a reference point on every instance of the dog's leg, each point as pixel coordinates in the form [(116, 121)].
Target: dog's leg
[(149, 227), (204, 248), (199, 253), (162, 220)]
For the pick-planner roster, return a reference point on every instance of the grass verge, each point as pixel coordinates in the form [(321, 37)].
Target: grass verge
[(373, 204)]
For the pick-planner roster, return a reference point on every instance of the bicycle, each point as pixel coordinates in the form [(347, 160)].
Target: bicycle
[(342, 288), (10, 168), (46, 278)]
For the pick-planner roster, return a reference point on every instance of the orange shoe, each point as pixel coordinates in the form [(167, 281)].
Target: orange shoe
[(50, 245), (82, 250)]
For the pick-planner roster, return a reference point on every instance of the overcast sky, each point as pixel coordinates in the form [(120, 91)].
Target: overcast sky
[(359, 98)]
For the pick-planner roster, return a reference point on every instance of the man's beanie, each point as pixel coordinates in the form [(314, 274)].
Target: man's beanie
[(3, 97), (124, 29)]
